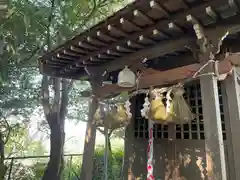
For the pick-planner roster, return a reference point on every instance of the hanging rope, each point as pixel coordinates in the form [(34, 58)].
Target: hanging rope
[(216, 72)]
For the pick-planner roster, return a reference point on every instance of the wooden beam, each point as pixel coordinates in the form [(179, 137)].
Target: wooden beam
[(174, 27), (164, 78), (149, 53), (116, 31), (87, 46), (60, 56), (139, 14), (96, 59), (129, 24), (54, 66), (156, 32), (76, 67), (73, 54), (145, 40), (56, 62), (95, 41), (55, 59), (113, 53), (123, 49), (231, 104), (155, 5), (134, 45), (105, 57), (80, 65), (77, 50), (211, 13), (105, 37)]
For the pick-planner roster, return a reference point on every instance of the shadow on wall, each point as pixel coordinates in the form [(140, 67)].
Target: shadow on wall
[(193, 167), (187, 166)]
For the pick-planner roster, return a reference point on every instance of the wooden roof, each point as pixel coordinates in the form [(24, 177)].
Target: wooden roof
[(142, 30)]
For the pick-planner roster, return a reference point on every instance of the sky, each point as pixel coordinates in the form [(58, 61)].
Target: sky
[(75, 135)]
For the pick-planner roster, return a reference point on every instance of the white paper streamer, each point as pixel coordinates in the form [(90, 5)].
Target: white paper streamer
[(168, 102), (145, 109), (128, 109)]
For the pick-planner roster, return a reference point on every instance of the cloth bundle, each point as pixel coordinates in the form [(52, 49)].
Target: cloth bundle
[(113, 116), (157, 110), (179, 110), (169, 108)]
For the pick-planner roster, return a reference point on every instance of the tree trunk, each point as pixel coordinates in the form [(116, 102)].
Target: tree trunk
[(55, 114), (109, 146), (53, 170), (89, 146), (2, 165), (110, 157)]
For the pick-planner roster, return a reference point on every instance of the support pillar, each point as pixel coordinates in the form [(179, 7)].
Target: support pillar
[(129, 156), (209, 43), (90, 137), (231, 101), (129, 147), (214, 147)]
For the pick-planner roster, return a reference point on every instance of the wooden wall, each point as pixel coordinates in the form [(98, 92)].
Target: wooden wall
[(179, 150)]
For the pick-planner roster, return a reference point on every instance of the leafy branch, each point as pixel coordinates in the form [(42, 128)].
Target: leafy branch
[(50, 19)]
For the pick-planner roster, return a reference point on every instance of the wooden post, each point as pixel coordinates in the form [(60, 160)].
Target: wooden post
[(90, 137), (129, 147), (171, 153), (231, 101), (214, 147), (129, 152), (106, 147), (209, 46)]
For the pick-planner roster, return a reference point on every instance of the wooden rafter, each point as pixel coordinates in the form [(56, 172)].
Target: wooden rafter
[(98, 38), (161, 24), (109, 47)]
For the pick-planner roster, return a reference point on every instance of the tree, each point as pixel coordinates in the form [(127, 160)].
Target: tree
[(17, 97), (18, 92), (20, 144), (55, 114)]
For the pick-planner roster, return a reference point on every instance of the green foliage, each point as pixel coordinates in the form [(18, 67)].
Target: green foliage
[(38, 169), (21, 144), (114, 162), (79, 111), (35, 170)]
